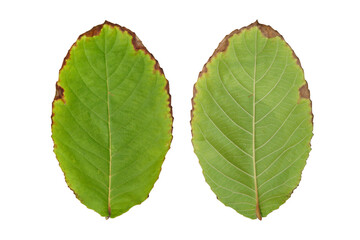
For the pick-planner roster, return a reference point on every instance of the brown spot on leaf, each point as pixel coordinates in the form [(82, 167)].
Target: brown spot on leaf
[(59, 93), (192, 101), (192, 109), (304, 91), (167, 88)]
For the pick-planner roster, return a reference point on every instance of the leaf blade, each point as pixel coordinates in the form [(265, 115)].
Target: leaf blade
[(112, 119), (278, 116)]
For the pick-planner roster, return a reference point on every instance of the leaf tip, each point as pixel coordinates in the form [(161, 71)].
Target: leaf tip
[(266, 30), (106, 22)]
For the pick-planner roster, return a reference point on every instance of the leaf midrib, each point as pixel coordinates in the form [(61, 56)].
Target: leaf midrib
[(258, 213), (109, 124)]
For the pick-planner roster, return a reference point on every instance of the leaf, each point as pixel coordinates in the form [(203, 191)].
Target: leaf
[(112, 119), (252, 120)]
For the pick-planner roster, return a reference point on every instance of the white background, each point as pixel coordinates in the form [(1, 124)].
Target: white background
[(35, 202)]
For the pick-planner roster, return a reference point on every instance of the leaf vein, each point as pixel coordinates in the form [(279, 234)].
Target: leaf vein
[(247, 90), (238, 60), (210, 94), (272, 89), (225, 159), (278, 128), (132, 92), (268, 69), (279, 101), (76, 121), (91, 66), (278, 186), (69, 146), (85, 105), (258, 161), (280, 157), (121, 61), (224, 134)]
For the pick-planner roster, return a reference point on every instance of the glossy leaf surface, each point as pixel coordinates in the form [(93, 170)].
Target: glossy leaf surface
[(112, 119), (252, 121)]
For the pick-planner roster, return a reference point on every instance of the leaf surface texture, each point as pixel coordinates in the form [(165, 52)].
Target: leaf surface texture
[(112, 119), (252, 121)]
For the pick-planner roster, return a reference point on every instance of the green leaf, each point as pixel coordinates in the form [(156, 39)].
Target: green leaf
[(112, 119), (252, 120)]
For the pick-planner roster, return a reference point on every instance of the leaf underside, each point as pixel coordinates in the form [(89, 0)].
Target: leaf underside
[(252, 121), (112, 119)]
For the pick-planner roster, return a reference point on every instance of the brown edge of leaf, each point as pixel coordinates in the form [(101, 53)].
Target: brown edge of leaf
[(138, 46), (268, 32)]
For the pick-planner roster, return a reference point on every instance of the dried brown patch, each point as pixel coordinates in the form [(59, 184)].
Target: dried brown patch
[(192, 108), (192, 101), (304, 91), (59, 94)]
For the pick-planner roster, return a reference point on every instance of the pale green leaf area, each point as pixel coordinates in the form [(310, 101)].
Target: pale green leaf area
[(251, 128), (112, 127)]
